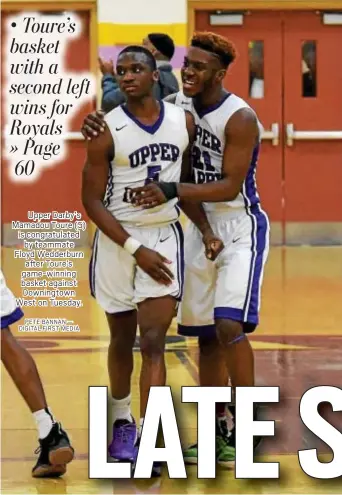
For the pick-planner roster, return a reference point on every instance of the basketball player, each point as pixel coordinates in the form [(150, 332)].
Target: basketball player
[(225, 157), (55, 449), (137, 263), (223, 298)]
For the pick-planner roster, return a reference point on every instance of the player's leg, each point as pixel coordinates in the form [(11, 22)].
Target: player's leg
[(195, 319), (111, 282), (237, 298), (156, 309), (157, 305), (23, 371), (213, 373), (154, 317), (213, 370), (55, 448), (123, 327)]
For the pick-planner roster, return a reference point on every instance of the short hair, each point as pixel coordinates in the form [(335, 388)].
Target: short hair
[(216, 44), (140, 49), (163, 43)]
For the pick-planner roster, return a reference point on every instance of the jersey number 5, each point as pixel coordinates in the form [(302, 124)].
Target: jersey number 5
[(153, 172)]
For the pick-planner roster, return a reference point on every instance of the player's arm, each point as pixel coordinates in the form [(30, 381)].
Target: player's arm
[(242, 133), (94, 182), (195, 211), (94, 123), (171, 98)]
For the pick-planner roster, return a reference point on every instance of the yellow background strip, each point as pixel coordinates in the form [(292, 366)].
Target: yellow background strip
[(120, 34)]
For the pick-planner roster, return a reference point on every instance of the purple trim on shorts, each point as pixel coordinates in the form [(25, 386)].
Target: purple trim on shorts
[(234, 314), (181, 256), (261, 235), (92, 264), (197, 330), (178, 232), (8, 320)]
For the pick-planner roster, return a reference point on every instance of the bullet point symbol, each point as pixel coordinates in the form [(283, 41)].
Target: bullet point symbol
[(13, 24)]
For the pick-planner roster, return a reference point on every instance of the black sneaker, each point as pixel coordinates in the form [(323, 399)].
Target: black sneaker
[(55, 452), (256, 439)]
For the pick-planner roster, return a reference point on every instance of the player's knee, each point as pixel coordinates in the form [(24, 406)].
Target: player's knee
[(120, 345), (6, 336), (152, 343), (229, 331), (208, 345), (4, 332)]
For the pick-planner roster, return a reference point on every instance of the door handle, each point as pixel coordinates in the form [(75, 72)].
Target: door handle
[(292, 135), (272, 135)]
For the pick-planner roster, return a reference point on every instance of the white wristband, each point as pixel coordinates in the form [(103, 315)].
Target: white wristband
[(132, 245)]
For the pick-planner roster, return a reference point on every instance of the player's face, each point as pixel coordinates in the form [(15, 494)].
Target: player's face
[(199, 72), (134, 75)]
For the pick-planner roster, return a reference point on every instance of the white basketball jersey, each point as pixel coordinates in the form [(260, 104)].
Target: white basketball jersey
[(142, 154), (209, 147)]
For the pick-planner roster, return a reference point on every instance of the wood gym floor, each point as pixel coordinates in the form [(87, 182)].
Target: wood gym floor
[(297, 347)]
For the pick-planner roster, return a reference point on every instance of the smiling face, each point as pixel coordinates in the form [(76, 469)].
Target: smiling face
[(135, 74), (201, 71)]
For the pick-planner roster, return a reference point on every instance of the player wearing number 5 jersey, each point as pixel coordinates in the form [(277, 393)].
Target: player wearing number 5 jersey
[(136, 270)]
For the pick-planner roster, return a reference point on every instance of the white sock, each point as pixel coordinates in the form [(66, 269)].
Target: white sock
[(141, 423), (121, 409), (45, 421)]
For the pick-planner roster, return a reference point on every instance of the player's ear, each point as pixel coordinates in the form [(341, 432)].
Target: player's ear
[(220, 75), (155, 75)]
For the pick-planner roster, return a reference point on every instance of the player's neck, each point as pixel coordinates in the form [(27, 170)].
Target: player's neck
[(210, 98), (145, 107)]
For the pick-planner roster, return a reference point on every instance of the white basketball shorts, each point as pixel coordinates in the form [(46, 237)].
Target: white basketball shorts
[(10, 312), (119, 284), (230, 286)]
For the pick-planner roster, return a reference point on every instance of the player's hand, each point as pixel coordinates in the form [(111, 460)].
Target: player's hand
[(148, 196), (106, 67), (93, 125), (155, 265), (213, 245)]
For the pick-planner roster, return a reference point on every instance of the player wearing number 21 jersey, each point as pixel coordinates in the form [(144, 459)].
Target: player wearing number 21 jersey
[(221, 302)]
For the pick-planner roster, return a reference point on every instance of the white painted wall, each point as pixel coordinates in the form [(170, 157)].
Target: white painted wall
[(142, 11)]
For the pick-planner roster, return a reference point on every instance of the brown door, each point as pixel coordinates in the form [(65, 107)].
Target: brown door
[(283, 72), (313, 162)]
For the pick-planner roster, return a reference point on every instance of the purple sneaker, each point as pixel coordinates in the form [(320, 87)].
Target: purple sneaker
[(123, 446), (156, 467)]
